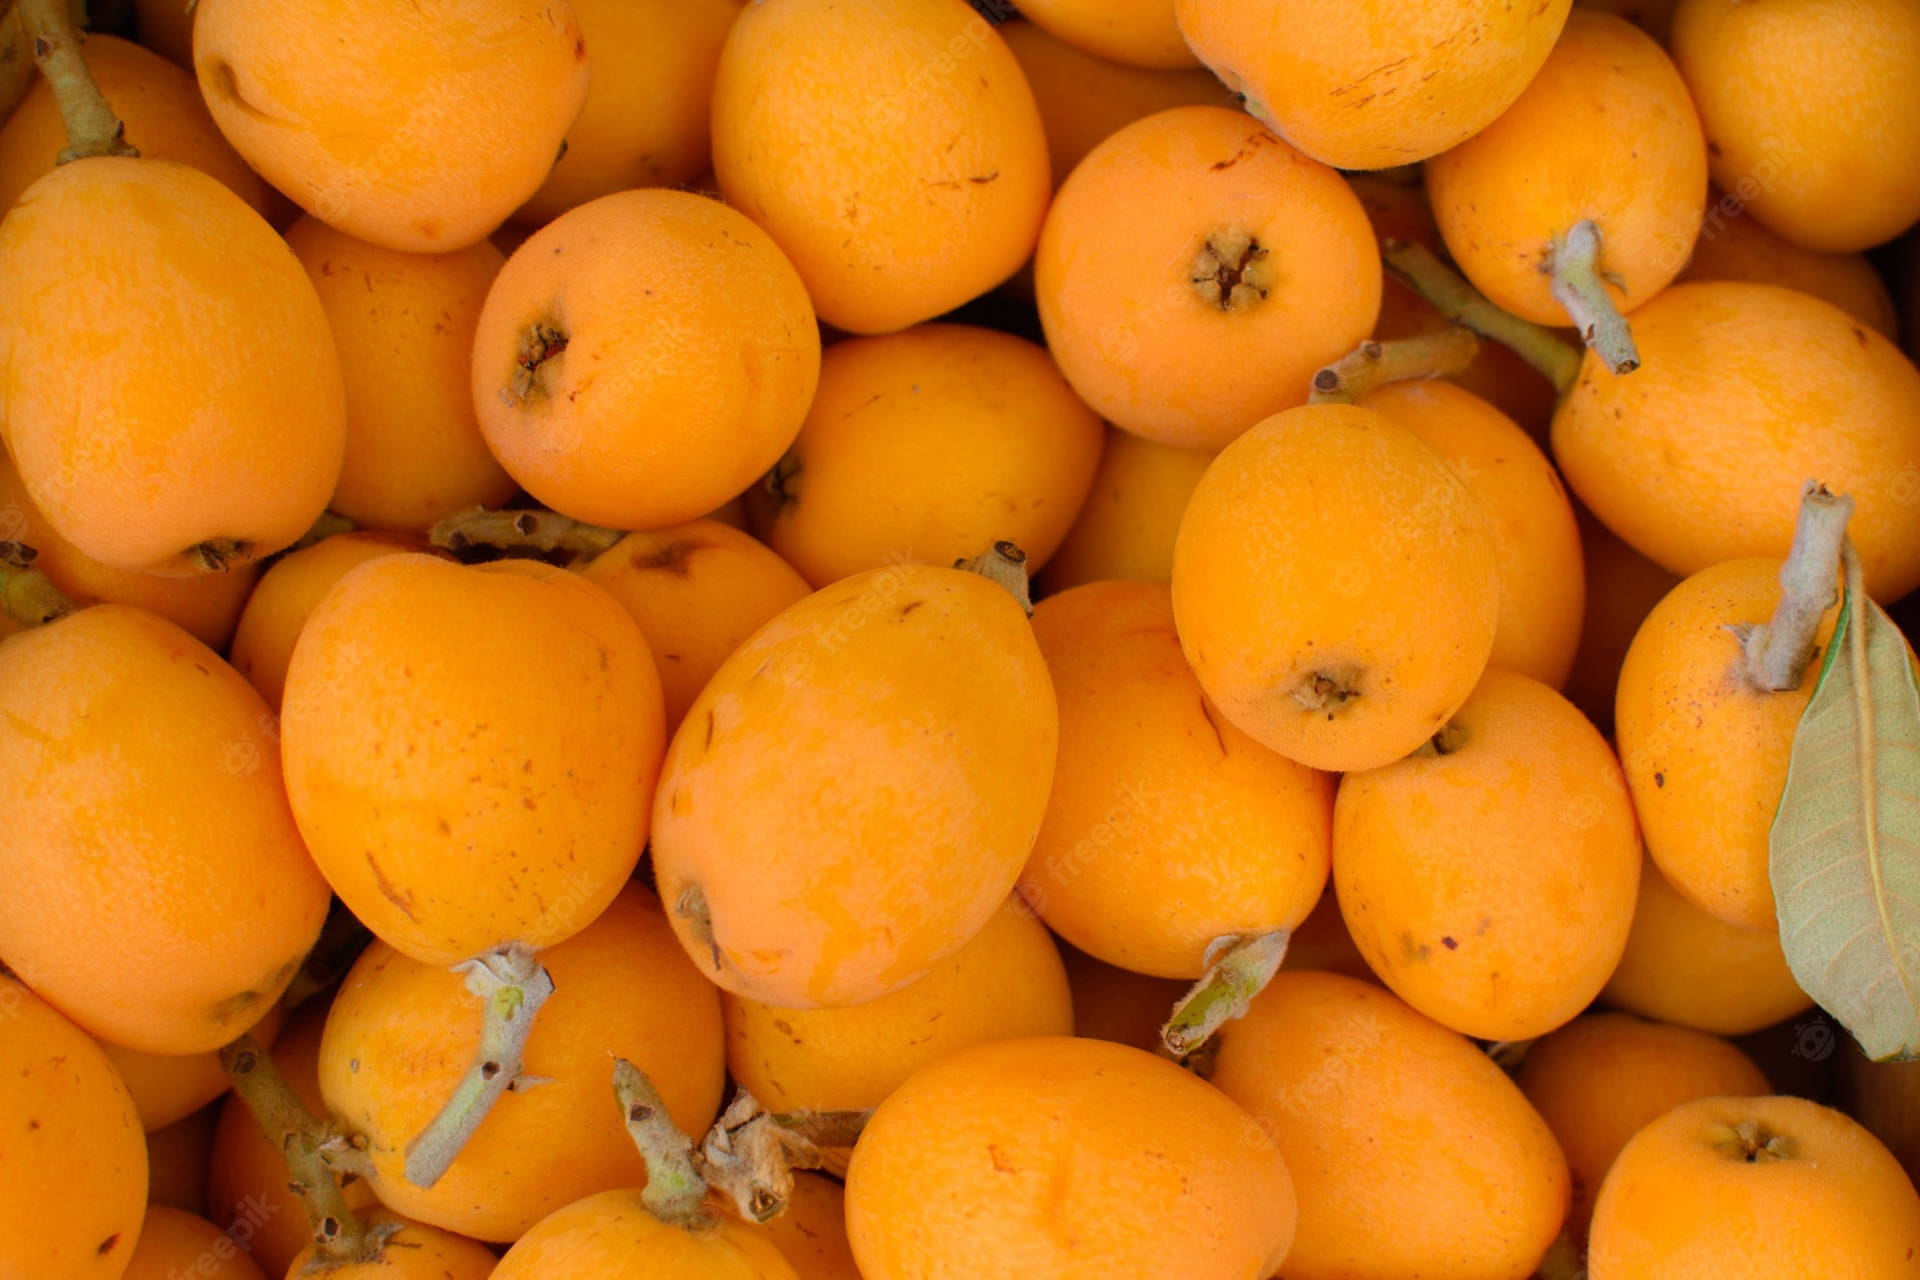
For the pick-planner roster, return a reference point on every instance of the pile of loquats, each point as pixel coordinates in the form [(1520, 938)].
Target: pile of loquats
[(890, 639)]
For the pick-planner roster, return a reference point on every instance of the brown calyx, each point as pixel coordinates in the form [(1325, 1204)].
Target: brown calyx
[(1233, 271), (539, 344), (1752, 1142), (1328, 690)]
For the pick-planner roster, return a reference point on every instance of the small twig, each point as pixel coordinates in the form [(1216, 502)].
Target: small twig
[(1577, 286), (512, 984), (92, 128), (1440, 354), (312, 1148), (750, 1155), (1005, 564), (675, 1192), (532, 531), (1416, 266), (31, 599), (1775, 655), (1239, 966)]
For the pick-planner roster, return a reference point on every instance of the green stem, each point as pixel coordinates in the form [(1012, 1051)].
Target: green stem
[(1775, 654), (31, 599), (509, 532), (1005, 564), (512, 984), (675, 1192), (1440, 354), (92, 128), (749, 1156), (1416, 266), (1577, 286), (305, 1143), (1239, 966)]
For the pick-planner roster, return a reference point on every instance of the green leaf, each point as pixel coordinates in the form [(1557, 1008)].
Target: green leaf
[(1845, 844)]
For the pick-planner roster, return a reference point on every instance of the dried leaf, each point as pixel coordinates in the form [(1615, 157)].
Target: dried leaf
[(1845, 844)]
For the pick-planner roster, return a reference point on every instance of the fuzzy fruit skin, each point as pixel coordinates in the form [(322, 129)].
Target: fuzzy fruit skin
[(401, 1034), (1083, 98), (1167, 827), (1331, 544), (811, 1232), (71, 1144), (930, 444), (1135, 34), (1746, 391), (612, 1236), (1066, 1158), (854, 792), (404, 324), (1378, 83), (1412, 1151), (1601, 1078), (169, 1087), (891, 147), (1705, 752), (158, 105), (680, 353), (415, 1252), (133, 453), (1492, 885), (1116, 268), (1605, 132), (1693, 969), (289, 591), (1126, 527), (1543, 583), (205, 605), (158, 891), (697, 590), (1813, 110), (1735, 245), (1681, 1202), (175, 1244), (417, 127), (1007, 982), (452, 809), (645, 118)]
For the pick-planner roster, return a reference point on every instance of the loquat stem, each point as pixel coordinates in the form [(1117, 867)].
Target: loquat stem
[(675, 1192), (541, 532), (1775, 655), (1417, 267), (1005, 564), (1440, 354), (31, 599), (1578, 287), (325, 526), (750, 1154), (1239, 966), (512, 985), (92, 128), (305, 1142)]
